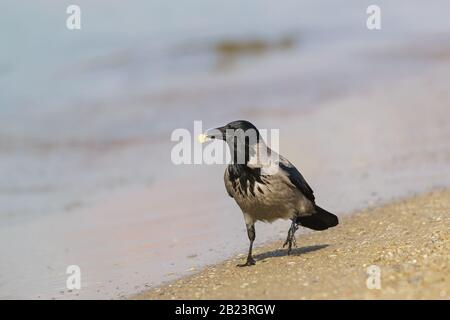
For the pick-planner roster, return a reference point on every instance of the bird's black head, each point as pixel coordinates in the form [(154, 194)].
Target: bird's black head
[(242, 125), (241, 137), (236, 129)]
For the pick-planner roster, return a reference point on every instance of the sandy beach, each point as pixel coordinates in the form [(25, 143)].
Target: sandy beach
[(408, 240)]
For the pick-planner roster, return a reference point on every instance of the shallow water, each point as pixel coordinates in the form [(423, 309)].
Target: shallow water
[(86, 118)]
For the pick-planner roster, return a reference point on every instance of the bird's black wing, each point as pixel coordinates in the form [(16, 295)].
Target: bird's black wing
[(297, 179)]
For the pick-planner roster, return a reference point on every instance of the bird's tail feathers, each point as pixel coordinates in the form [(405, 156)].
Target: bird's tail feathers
[(320, 220)]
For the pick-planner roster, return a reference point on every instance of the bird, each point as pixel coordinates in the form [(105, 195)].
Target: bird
[(265, 185)]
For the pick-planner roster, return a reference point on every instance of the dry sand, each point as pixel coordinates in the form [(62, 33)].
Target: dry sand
[(408, 240)]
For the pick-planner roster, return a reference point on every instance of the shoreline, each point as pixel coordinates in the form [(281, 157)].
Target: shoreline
[(407, 239)]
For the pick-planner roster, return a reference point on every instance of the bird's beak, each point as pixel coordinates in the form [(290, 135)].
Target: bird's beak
[(216, 133)]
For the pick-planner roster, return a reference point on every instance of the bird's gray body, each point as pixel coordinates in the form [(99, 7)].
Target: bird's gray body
[(267, 197)]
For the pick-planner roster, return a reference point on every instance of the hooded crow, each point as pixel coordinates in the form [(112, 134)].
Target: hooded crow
[(265, 185)]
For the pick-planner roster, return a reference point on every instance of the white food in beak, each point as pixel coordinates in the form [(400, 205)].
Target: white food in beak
[(202, 138)]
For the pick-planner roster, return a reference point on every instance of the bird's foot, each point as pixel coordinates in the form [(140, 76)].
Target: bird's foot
[(250, 262), (290, 241)]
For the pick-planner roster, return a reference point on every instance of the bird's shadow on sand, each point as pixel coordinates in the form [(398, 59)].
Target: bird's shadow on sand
[(294, 252)]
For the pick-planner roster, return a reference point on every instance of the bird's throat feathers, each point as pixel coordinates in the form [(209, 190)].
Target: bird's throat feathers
[(260, 162), (244, 178)]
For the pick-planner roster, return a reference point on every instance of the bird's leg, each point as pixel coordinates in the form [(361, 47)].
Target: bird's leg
[(290, 240), (251, 237)]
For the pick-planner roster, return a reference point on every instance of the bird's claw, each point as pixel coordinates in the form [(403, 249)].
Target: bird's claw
[(290, 241), (250, 262), (294, 242)]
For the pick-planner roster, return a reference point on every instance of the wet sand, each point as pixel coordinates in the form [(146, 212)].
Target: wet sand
[(408, 240)]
